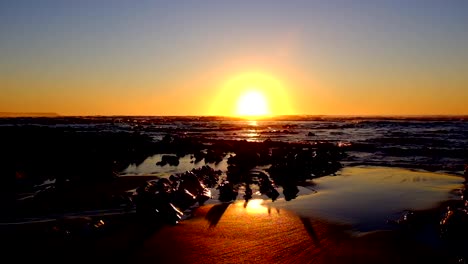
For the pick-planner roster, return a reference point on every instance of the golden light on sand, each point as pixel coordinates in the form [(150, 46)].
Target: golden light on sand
[(254, 206), (252, 95), (252, 104)]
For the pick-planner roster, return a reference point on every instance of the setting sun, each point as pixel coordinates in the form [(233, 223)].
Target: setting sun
[(252, 103), (250, 95)]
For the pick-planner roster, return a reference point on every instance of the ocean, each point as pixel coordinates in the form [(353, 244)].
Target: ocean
[(392, 164), (436, 143)]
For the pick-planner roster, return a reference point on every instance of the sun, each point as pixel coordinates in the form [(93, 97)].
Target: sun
[(252, 103), (251, 95)]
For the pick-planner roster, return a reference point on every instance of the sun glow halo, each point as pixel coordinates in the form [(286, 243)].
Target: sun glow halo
[(252, 103), (251, 95)]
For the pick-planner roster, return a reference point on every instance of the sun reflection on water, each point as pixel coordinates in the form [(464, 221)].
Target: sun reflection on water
[(253, 123), (254, 206), (252, 133)]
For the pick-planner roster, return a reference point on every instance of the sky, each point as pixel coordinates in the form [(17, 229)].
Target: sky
[(200, 57)]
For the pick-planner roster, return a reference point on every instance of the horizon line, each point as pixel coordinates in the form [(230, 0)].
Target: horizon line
[(53, 114)]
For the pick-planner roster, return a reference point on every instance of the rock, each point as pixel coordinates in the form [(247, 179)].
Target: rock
[(172, 160)]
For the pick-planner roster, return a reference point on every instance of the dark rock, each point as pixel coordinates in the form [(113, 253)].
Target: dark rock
[(172, 160)]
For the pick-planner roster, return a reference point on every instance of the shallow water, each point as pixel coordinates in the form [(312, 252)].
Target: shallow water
[(366, 197), (186, 163)]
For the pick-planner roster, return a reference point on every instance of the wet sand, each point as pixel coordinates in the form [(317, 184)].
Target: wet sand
[(227, 233), (230, 233)]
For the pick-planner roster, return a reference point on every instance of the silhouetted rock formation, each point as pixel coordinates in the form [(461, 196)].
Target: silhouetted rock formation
[(172, 160)]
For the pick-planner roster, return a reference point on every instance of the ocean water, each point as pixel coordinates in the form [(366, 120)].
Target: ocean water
[(438, 143), (393, 163), (433, 144)]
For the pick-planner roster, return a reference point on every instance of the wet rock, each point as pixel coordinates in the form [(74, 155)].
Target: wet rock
[(214, 156), (227, 192), (454, 225), (199, 156), (207, 175), (172, 160)]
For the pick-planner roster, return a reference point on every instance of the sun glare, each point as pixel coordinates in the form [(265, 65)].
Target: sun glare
[(252, 103), (251, 95)]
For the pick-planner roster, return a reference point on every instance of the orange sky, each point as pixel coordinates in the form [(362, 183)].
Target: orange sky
[(186, 59)]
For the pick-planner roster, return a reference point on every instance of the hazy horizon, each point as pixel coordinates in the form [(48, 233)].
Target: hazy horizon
[(180, 58), (58, 115)]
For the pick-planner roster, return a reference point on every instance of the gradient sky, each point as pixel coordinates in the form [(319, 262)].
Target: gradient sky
[(185, 57)]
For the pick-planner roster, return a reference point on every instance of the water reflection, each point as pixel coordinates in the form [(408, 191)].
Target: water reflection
[(252, 135), (253, 123), (215, 213), (369, 196), (310, 230), (254, 206), (269, 210), (186, 163)]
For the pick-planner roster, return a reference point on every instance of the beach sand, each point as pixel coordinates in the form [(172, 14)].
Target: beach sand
[(221, 233), (230, 233)]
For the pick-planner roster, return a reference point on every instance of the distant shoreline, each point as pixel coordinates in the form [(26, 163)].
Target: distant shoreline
[(13, 114)]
